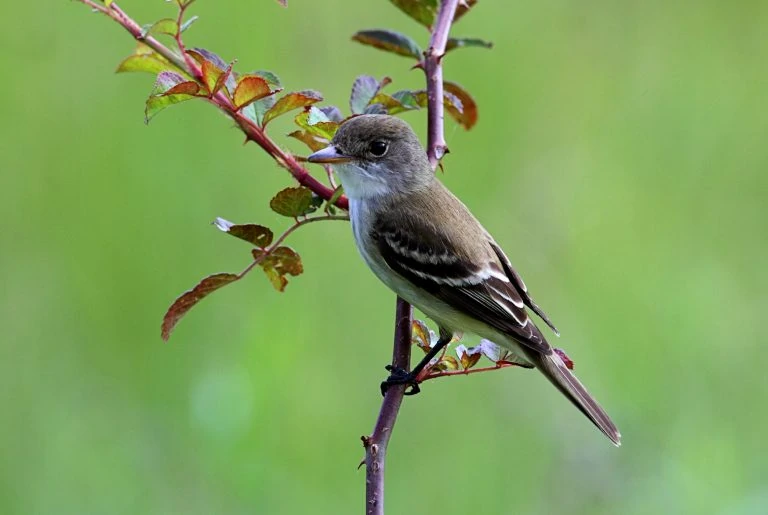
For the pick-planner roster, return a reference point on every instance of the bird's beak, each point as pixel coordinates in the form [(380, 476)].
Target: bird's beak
[(328, 155)]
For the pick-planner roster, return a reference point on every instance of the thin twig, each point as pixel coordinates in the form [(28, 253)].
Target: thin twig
[(376, 444), (252, 131), (299, 223)]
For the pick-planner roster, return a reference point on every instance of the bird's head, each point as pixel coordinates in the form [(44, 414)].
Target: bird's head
[(376, 155)]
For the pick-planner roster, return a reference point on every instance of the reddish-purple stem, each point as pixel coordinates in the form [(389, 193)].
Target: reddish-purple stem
[(376, 444)]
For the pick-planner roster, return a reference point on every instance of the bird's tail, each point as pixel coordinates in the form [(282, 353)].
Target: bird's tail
[(553, 367)]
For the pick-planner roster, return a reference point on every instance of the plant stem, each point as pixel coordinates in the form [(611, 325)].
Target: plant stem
[(252, 131), (376, 444)]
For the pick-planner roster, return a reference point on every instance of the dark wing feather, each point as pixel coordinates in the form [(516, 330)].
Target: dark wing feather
[(521, 288), (479, 287)]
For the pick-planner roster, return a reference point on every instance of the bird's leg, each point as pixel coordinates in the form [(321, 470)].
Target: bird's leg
[(400, 376)]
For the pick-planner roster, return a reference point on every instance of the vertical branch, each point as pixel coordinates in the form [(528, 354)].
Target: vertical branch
[(436, 147), (376, 444)]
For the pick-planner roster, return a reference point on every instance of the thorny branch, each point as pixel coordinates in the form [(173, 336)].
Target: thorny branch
[(376, 444)]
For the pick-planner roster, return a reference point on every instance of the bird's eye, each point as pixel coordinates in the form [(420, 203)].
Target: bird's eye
[(378, 148)]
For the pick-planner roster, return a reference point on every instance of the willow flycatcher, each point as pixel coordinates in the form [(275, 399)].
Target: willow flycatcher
[(425, 245)]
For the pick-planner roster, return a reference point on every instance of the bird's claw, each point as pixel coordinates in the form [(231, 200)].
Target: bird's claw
[(399, 376)]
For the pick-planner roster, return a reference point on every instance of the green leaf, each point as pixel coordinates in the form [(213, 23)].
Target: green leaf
[(424, 11), (446, 363), (466, 112), (259, 108), (310, 140), (249, 89), (290, 102), (268, 76), (144, 59), (187, 24), (390, 41), (257, 235), (165, 93), (292, 202), (277, 264), (189, 299), (393, 105), (467, 42), (316, 122), (330, 206), (165, 26), (364, 90)]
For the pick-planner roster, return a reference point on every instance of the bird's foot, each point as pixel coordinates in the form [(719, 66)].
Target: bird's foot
[(399, 376)]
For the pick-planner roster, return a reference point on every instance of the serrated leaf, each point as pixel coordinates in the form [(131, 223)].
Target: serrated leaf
[(268, 76), (212, 77), (309, 140), (315, 122), (144, 59), (163, 95), (290, 102), (286, 261), (144, 63), (292, 202), (364, 89), (424, 11), (466, 115), (454, 43), (280, 262), (185, 88), (165, 26), (258, 109), (393, 105), (249, 89), (257, 235), (189, 299), (201, 55), (389, 41)]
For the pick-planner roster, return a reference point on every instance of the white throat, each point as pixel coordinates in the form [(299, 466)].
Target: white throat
[(360, 183)]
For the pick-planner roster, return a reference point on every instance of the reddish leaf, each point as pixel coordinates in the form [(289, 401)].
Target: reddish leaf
[(159, 99), (290, 102), (310, 140), (389, 41), (185, 88), (187, 300), (468, 357), (292, 202), (446, 363), (420, 335), (277, 264), (258, 235), (424, 11), (467, 114), (249, 89)]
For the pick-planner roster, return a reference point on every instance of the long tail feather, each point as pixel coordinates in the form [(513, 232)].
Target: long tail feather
[(553, 367)]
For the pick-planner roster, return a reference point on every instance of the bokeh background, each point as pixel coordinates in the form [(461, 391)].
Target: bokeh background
[(620, 158)]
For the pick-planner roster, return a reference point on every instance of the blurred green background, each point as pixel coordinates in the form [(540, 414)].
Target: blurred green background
[(620, 159)]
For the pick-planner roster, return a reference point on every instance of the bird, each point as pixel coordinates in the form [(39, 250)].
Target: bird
[(424, 244)]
